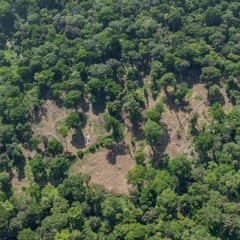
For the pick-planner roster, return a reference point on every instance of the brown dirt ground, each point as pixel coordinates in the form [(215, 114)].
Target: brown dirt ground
[(177, 122), (104, 169), (19, 184), (111, 176), (109, 169)]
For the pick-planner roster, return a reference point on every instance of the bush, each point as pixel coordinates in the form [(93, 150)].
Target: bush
[(35, 141), (140, 157), (73, 120), (92, 148), (80, 153), (54, 147), (107, 142)]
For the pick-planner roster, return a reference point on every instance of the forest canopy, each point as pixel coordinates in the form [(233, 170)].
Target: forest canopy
[(118, 54)]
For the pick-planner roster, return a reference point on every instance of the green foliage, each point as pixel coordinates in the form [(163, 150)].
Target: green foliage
[(153, 132), (38, 167), (6, 134), (210, 75), (58, 167), (112, 124), (132, 107), (181, 167), (93, 87), (26, 234), (76, 217), (73, 120), (63, 131), (117, 54), (213, 16), (156, 113), (80, 154), (166, 80), (139, 157), (54, 147), (214, 94), (180, 91), (72, 99), (204, 142), (217, 112)]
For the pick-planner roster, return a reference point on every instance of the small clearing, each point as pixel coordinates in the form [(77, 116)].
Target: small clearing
[(107, 169)]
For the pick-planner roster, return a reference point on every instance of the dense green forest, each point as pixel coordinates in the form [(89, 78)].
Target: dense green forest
[(118, 55)]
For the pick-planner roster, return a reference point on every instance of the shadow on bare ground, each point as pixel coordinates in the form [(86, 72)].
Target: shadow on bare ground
[(120, 149), (159, 149), (78, 140)]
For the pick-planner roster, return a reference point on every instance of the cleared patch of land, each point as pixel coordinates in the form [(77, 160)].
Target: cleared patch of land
[(109, 168)]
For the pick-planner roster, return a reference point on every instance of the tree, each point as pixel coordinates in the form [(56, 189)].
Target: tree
[(217, 112), (63, 235), (73, 99), (180, 91), (58, 167), (169, 62), (94, 87), (167, 204), (26, 233), (175, 21), (38, 167), (95, 223), (132, 107), (112, 124), (214, 94), (73, 188), (139, 157), (156, 113), (76, 217), (7, 134), (157, 70), (106, 15), (166, 80), (133, 231), (73, 120), (136, 175), (194, 119), (213, 16), (54, 147), (7, 18), (180, 166), (204, 142), (210, 75), (63, 131), (18, 114), (153, 132)]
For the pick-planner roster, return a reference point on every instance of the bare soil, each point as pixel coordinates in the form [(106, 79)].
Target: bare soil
[(177, 122), (107, 169)]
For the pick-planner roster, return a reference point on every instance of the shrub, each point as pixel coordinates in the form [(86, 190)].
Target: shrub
[(139, 157), (80, 153)]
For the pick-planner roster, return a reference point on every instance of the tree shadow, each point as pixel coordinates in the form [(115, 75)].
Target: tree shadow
[(192, 77), (219, 98), (137, 131), (38, 113), (59, 102), (99, 107), (78, 140), (84, 105), (120, 149), (159, 149)]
